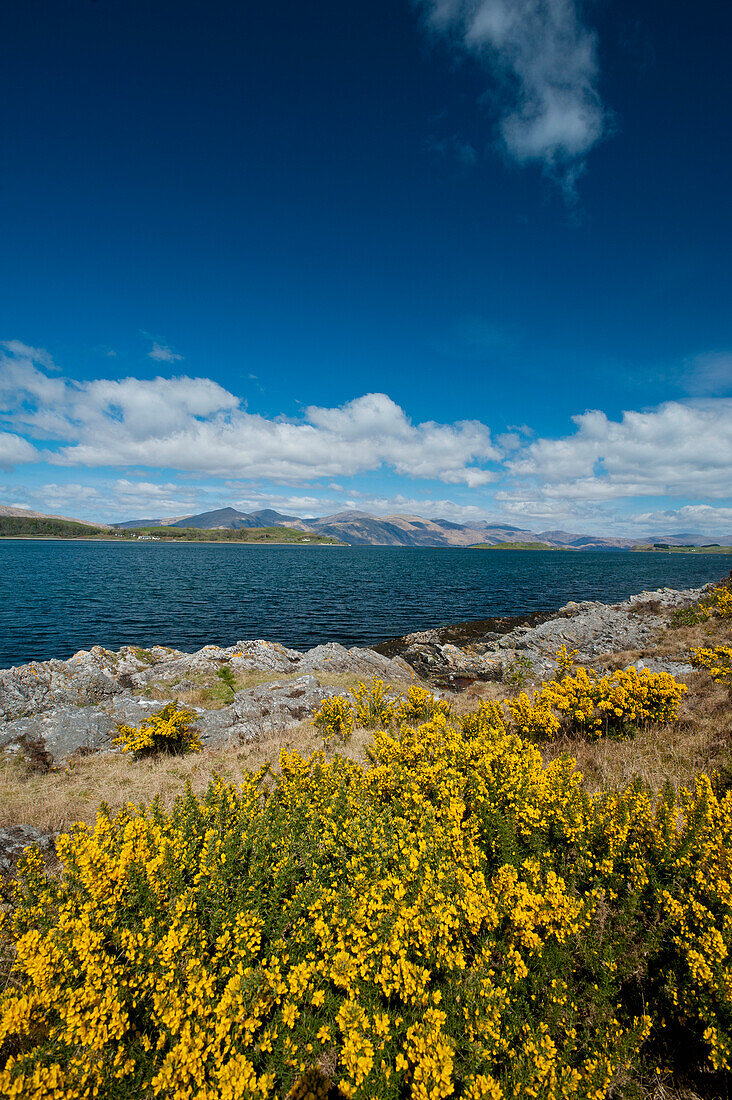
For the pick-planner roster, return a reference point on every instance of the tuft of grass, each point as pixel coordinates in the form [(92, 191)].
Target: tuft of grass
[(518, 672)]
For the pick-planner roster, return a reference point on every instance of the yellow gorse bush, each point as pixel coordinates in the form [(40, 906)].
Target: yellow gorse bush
[(584, 704), (170, 730), (565, 660), (719, 600), (335, 718), (717, 661), (376, 705), (612, 705), (717, 603), (456, 919)]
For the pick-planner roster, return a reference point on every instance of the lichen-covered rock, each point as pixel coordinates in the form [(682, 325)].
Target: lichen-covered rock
[(364, 663), (15, 839), (248, 656), (29, 689), (53, 709), (274, 707), (60, 733), (488, 650), (595, 628)]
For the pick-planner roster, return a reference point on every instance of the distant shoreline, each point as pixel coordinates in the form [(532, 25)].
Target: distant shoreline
[(168, 542), (698, 550)]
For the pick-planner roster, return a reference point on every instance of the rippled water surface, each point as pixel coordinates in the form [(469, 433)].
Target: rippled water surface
[(58, 597)]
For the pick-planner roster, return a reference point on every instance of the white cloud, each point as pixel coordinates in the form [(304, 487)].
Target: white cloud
[(114, 500), (545, 62), (15, 450), (694, 517), (414, 506), (20, 350), (57, 497), (677, 449), (161, 353), (194, 424)]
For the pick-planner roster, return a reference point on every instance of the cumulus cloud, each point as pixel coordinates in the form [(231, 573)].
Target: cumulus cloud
[(15, 450), (677, 449), (194, 424), (705, 517), (545, 62)]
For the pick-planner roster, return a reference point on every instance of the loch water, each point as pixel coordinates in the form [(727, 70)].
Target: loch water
[(59, 597)]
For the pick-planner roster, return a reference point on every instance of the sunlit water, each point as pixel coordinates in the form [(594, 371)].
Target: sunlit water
[(58, 597)]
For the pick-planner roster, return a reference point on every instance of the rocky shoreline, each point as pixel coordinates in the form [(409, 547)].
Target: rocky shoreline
[(53, 710)]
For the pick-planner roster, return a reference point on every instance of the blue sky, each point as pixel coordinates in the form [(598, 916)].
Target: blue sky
[(457, 257)]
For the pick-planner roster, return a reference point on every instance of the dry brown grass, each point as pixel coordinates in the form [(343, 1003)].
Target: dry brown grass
[(55, 800), (676, 643), (621, 658), (672, 643)]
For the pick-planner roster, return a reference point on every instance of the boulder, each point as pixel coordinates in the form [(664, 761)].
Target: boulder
[(251, 656), (41, 685), (54, 735)]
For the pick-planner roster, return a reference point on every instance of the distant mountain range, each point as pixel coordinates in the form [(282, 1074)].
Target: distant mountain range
[(363, 529)]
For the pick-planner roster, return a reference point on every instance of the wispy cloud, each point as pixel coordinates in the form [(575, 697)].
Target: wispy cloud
[(543, 61), (710, 374), (19, 350), (161, 353)]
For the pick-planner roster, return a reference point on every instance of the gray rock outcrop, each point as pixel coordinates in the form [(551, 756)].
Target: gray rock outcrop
[(276, 706), (50, 710), (16, 838), (594, 629)]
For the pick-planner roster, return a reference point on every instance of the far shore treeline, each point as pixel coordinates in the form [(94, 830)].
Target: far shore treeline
[(33, 527), (30, 526), (228, 534)]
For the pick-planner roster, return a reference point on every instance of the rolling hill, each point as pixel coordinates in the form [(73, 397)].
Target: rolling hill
[(26, 513), (363, 529)]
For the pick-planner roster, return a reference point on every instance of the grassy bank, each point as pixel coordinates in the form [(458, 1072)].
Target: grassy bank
[(684, 549), (519, 546), (22, 527)]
